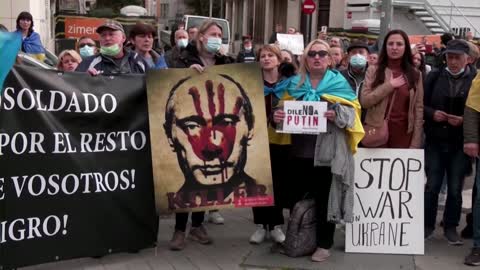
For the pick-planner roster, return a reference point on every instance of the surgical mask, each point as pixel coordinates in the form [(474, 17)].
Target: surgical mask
[(358, 61), (249, 48), (455, 74), (182, 43), (87, 51), (111, 50), (213, 44)]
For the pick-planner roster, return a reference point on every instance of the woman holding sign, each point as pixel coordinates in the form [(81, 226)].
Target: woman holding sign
[(275, 85), (393, 96), (315, 157), (203, 52)]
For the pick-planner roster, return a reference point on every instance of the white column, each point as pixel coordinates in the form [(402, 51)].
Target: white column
[(228, 15), (293, 14), (337, 14), (245, 18), (234, 19), (314, 21), (268, 20)]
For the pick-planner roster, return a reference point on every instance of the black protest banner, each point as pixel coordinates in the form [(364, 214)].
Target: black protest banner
[(388, 202), (75, 167)]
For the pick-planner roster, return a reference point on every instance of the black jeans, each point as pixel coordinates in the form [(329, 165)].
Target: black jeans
[(181, 220), (316, 182), (454, 163), (270, 215)]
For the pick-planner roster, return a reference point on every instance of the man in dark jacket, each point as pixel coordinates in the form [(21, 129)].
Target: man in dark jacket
[(357, 65), (246, 54), (181, 42), (446, 91), (113, 57)]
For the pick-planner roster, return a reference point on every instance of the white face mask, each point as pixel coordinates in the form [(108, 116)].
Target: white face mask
[(182, 43), (455, 74), (249, 48)]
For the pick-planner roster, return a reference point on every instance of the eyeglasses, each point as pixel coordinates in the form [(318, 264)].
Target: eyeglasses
[(312, 54), (86, 44)]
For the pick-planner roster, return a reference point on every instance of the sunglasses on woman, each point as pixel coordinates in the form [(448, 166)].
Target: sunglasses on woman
[(86, 44), (312, 54)]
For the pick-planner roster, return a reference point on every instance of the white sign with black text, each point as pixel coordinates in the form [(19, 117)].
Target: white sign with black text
[(304, 117), (388, 202), (293, 43)]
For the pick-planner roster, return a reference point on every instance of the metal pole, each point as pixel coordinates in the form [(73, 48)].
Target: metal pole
[(385, 20), (451, 12), (221, 9), (211, 8), (309, 28)]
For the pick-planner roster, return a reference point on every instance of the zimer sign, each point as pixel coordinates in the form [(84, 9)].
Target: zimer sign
[(79, 27)]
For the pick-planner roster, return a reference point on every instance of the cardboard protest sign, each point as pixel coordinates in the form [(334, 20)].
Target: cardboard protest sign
[(304, 117), (388, 206), (209, 138), (76, 174), (293, 43)]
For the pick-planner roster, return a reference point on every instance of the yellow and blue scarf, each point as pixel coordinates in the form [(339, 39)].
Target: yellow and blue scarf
[(333, 88)]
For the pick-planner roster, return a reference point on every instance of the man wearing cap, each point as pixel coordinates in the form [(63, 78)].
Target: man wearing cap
[(113, 57), (357, 65), (446, 91), (246, 54)]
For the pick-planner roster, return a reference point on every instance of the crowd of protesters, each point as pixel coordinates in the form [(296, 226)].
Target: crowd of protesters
[(427, 107)]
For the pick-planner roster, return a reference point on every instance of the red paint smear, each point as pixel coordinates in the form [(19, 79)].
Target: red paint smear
[(196, 100), (211, 103), (204, 144), (221, 98)]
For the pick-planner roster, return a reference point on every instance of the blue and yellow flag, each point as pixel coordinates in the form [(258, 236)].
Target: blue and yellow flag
[(333, 88), (10, 44), (473, 100)]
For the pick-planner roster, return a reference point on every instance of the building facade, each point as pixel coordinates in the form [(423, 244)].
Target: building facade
[(41, 11), (258, 18)]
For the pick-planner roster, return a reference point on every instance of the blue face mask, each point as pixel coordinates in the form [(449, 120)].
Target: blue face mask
[(358, 61), (213, 44), (87, 51), (455, 74)]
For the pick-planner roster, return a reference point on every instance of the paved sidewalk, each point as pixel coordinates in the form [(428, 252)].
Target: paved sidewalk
[(231, 251)]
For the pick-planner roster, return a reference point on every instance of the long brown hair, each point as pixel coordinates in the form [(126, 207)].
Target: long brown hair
[(407, 63)]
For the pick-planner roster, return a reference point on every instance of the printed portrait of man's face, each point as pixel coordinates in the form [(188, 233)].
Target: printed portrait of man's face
[(211, 129)]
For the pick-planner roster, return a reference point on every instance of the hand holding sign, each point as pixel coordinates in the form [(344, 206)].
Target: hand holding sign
[(305, 117)]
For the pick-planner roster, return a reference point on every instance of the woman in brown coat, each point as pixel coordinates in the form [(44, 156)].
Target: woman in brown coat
[(395, 78)]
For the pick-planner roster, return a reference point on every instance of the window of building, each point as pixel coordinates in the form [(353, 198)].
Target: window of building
[(164, 10)]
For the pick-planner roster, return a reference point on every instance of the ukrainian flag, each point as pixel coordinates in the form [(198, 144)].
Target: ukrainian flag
[(333, 88), (10, 44)]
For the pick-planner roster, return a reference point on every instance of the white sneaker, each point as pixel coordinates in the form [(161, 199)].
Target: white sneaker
[(259, 235), (277, 234), (215, 217)]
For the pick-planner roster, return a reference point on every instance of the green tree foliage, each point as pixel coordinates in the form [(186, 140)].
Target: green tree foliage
[(202, 7)]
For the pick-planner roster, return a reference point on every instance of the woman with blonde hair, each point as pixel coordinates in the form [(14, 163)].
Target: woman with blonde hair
[(316, 158), (204, 51), (68, 60)]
